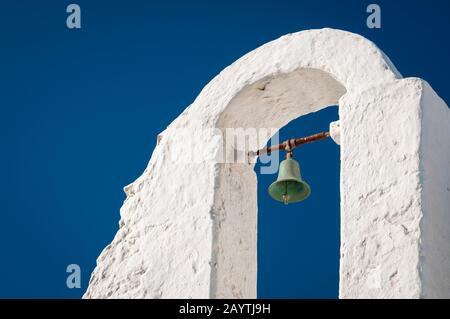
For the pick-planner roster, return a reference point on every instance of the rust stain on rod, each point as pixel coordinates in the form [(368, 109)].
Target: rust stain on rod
[(293, 143)]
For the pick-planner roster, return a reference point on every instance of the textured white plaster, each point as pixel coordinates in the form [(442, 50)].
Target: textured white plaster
[(188, 229)]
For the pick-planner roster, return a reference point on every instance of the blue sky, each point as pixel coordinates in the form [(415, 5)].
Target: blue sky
[(81, 110)]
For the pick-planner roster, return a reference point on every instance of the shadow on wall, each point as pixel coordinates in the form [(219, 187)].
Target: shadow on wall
[(298, 244)]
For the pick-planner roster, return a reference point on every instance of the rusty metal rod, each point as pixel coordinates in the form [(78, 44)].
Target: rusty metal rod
[(292, 143)]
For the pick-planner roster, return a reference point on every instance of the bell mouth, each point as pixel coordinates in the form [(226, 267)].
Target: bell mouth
[(296, 191)]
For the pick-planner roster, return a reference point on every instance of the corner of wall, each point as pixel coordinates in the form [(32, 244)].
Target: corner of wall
[(434, 153)]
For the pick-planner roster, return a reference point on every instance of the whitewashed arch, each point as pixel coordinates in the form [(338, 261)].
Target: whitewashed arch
[(188, 229)]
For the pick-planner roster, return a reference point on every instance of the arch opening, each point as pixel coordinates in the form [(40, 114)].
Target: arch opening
[(268, 104), (299, 244)]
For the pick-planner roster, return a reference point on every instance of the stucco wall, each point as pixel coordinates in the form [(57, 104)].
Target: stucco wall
[(188, 225), (380, 194)]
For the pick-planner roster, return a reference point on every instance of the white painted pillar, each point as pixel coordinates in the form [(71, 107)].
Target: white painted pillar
[(188, 227), (388, 247)]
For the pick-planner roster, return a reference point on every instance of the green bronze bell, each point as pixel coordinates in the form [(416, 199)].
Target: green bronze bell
[(289, 186)]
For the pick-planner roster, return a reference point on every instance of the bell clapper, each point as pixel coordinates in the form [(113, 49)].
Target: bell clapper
[(286, 196)]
